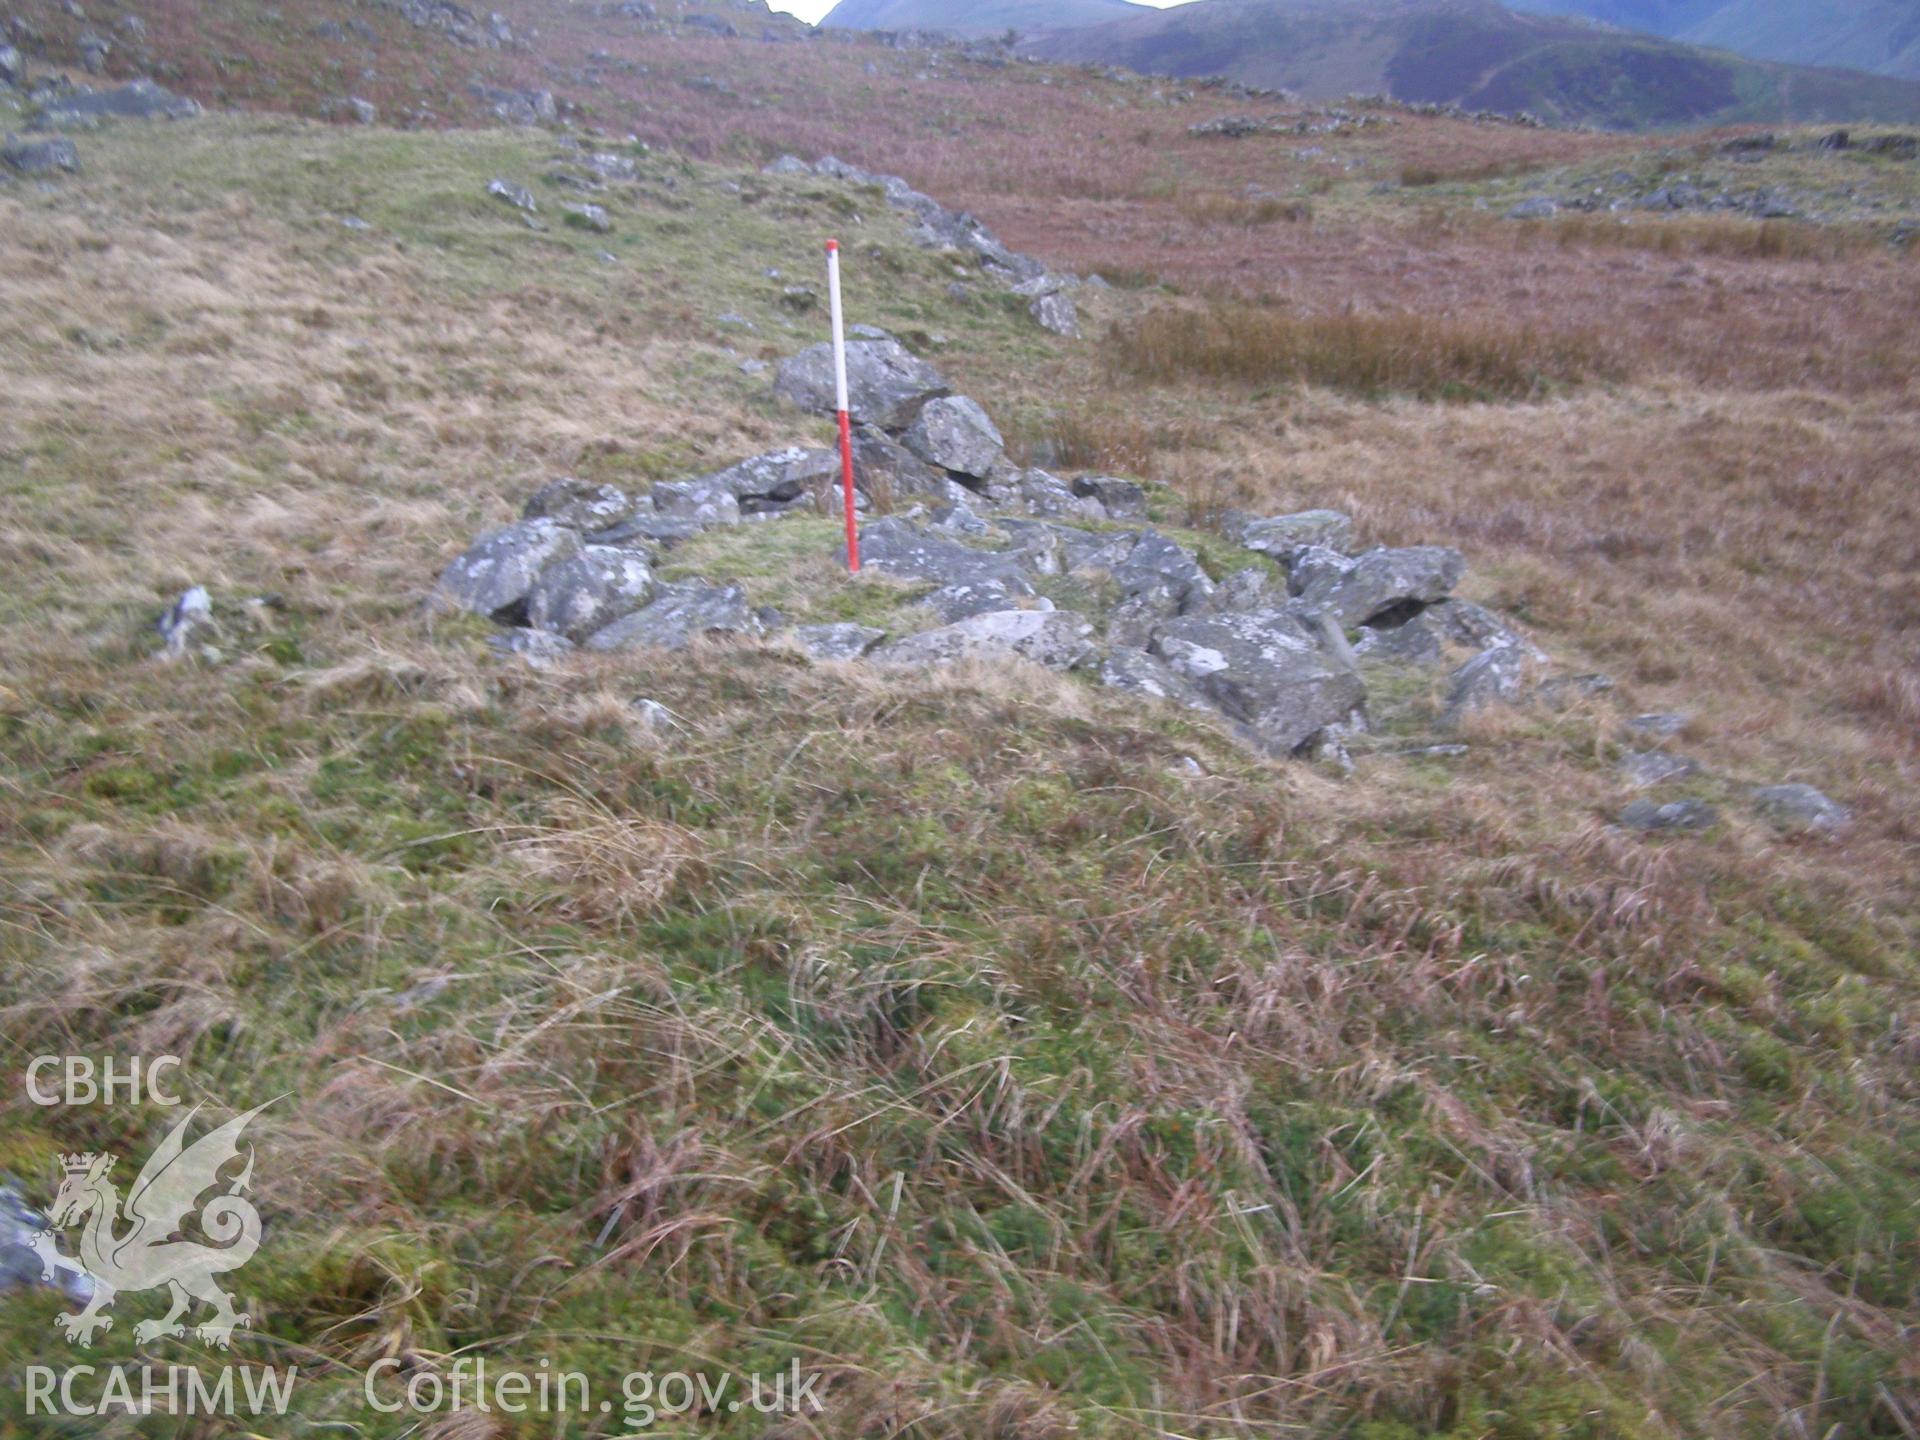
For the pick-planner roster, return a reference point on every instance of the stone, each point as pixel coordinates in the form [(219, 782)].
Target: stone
[(1663, 724), (497, 573), (40, 157), (958, 518), (954, 433), (1119, 499), (707, 500), (517, 196), (1564, 691), (1357, 590), (771, 483), (1646, 768), (1055, 312), (185, 621), (587, 217), (1671, 815), (1414, 641), (898, 547), (1539, 207), (1281, 535), (1156, 560), (138, 100), (1474, 627), (649, 530), (1250, 589), (1034, 492), (886, 385), (787, 165), (886, 470), (539, 649), (584, 505), (1263, 671), (1801, 807), (1138, 673), (12, 68), (842, 641), (588, 591), (677, 617), (1057, 639), (972, 597), (609, 166), (352, 108), (1492, 677)]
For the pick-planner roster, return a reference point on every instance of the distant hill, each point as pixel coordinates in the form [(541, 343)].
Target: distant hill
[(1881, 36), (1481, 55), (976, 17)]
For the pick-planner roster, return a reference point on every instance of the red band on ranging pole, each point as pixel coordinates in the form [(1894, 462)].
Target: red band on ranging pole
[(840, 403)]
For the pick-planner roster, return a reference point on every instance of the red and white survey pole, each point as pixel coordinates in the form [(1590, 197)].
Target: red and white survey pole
[(840, 403)]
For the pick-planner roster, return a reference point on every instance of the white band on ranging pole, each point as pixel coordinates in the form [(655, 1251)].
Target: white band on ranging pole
[(840, 404)]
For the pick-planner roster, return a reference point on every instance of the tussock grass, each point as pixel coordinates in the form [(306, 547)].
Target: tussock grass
[(1432, 357)]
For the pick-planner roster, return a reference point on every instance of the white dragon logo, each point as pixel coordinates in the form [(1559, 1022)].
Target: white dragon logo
[(147, 1255)]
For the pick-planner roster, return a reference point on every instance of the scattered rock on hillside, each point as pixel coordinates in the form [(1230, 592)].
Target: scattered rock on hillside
[(1539, 207), (1493, 677), (497, 573), (517, 196), (1801, 807), (12, 68), (139, 100), (350, 107), (1120, 499), (1056, 312), (186, 620), (680, 615), (587, 217), (954, 433), (1655, 767), (840, 641), (1057, 639), (1281, 536), (897, 547), (588, 591), (1356, 590), (1660, 723), (886, 385), (1138, 673), (1671, 815), (580, 504), (40, 157), (1263, 670)]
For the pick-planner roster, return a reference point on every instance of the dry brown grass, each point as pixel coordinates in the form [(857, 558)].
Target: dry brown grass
[(1433, 357)]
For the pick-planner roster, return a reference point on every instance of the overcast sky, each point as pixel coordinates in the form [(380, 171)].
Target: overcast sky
[(811, 10)]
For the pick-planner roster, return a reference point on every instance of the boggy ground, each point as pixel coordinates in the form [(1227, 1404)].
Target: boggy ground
[(951, 1034)]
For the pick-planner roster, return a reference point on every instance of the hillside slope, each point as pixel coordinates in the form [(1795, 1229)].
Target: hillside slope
[(1879, 36), (1027, 1060), (974, 17), (1480, 55)]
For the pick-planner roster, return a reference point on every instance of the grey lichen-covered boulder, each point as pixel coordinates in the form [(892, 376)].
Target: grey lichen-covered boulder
[(583, 593), (1801, 807), (677, 616), (40, 157), (1251, 588), (1368, 587), (497, 573), (1056, 312), (886, 385), (954, 433), (885, 469), (583, 505), (1281, 535), (1120, 499), (841, 641), (1156, 560), (899, 547), (1138, 673), (137, 100), (707, 500), (539, 649), (769, 483), (1669, 815), (1647, 768), (1034, 492), (976, 597), (1057, 639), (517, 196), (648, 530), (1264, 671), (1493, 677)]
